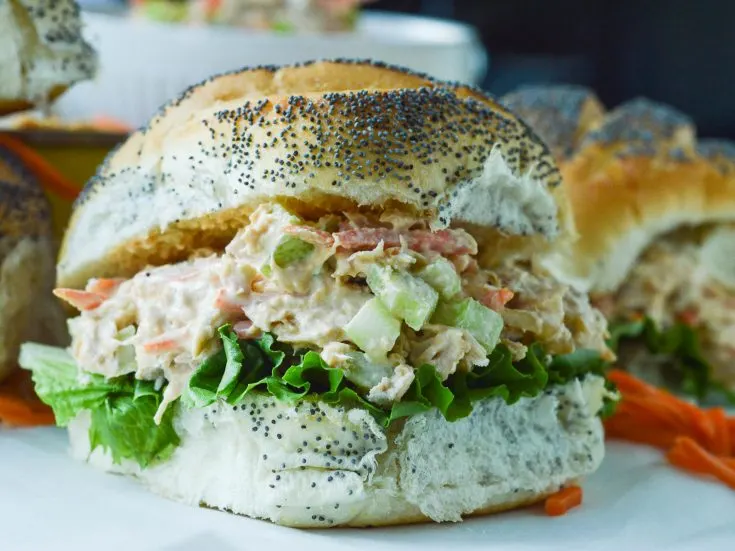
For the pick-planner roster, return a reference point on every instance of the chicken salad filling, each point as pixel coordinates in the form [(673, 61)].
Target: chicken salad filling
[(673, 320), (357, 310), (395, 298)]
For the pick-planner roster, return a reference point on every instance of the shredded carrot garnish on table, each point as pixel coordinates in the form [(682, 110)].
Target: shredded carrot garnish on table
[(49, 177), (697, 440), (19, 406), (689, 455), (562, 501)]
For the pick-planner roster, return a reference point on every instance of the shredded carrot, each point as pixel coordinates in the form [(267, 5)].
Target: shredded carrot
[(562, 501), (19, 406), (224, 303), (731, 430), (81, 300), (49, 176), (689, 317), (162, 345), (721, 434), (496, 299), (104, 287), (690, 455), (697, 440)]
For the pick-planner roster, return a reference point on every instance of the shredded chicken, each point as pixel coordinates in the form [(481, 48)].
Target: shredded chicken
[(540, 310), (163, 322), (391, 389), (671, 283), (446, 348)]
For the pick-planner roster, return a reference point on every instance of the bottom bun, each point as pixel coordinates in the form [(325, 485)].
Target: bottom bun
[(314, 465)]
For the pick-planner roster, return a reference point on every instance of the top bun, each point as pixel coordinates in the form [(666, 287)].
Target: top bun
[(561, 114), (322, 136), (634, 176), (42, 52)]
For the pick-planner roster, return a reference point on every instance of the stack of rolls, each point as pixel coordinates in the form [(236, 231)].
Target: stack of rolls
[(654, 209), (42, 53)]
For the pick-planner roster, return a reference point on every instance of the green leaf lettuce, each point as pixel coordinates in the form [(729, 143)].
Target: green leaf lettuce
[(123, 409), (690, 371)]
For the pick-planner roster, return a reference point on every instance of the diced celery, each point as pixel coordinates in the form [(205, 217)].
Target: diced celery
[(126, 358), (125, 333), (273, 239), (406, 297), (364, 372), (481, 322), (290, 250), (374, 329), (126, 354), (442, 276)]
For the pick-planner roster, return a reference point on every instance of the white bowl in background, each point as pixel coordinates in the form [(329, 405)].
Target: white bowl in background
[(144, 64)]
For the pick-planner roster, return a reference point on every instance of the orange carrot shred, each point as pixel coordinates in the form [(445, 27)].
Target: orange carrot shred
[(160, 345), (689, 455), (700, 441), (81, 300), (562, 501), (104, 287), (721, 441), (48, 176), (19, 406)]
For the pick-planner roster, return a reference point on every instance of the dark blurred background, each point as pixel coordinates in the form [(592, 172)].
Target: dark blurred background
[(681, 52)]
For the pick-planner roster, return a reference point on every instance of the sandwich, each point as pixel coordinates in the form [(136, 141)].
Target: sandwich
[(561, 115), (654, 209), (283, 16), (309, 294), (42, 52), (28, 310)]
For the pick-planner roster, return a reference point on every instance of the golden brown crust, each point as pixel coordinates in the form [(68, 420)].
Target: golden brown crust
[(11, 106), (418, 518), (614, 197), (412, 516), (561, 115), (636, 174)]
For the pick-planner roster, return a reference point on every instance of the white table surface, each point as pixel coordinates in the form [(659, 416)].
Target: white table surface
[(48, 501)]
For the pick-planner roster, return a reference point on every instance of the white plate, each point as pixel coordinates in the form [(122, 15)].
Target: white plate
[(143, 64), (50, 502)]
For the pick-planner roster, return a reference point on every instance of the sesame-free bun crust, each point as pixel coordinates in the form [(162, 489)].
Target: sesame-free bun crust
[(636, 174), (26, 264), (323, 136), (312, 465), (42, 52)]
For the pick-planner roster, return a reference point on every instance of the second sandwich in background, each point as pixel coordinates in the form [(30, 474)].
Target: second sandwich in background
[(654, 210)]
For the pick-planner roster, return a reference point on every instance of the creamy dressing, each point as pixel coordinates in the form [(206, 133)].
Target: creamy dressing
[(162, 323)]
